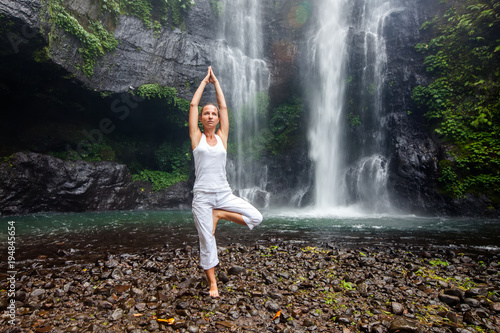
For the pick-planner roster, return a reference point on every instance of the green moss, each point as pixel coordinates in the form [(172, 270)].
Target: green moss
[(462, 99), (163, 11), (177, 107), (154, 91), (95, 40), (42, 55), (217, 8)]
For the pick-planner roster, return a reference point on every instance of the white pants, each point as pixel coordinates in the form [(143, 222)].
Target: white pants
[(203, 205)]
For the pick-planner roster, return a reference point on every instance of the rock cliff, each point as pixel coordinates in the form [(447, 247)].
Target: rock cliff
[(31, 183), (178, 58)]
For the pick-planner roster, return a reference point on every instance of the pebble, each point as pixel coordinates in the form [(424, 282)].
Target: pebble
[(269, 287)]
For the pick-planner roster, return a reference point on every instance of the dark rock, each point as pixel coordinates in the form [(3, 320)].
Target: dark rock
[(33, 182), (272, 306), (455, 292), (450, 300), (472, 302), (474, 292), (4, 302), (223, 277), (182, 305), (400, 324), (471, 318), (236, 270), (462, 307), (495, 307), (104, 305)]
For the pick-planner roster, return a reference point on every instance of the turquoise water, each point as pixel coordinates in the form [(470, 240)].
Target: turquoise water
[(132, 230)]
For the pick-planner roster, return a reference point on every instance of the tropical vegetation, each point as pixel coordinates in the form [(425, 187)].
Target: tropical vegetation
[(462, 98)]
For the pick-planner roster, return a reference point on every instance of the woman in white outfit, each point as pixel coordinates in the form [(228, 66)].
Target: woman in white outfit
[(213, 199)]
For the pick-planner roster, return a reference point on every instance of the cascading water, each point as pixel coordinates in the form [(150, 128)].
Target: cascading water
[(347, 142), (244, 74)]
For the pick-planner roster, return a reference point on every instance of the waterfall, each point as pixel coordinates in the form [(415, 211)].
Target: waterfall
[(243, 74), (347, 69)]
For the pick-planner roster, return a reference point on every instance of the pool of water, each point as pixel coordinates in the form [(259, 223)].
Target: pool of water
[(48, 233)]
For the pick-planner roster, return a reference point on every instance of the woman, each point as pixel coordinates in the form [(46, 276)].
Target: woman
[(213, 199)]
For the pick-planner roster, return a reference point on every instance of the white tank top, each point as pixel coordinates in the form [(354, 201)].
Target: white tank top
[(210, 166)]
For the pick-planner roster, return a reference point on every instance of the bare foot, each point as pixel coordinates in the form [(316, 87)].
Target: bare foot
[(214, 292)]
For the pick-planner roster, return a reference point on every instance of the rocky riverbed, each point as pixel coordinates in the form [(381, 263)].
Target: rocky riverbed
[(264, 286)]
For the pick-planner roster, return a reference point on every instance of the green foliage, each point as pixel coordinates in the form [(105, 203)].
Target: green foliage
[(176, 107), (462, 100), (284, 122), (41, 55), (279, 127), (95, 40), (353, 119), (160, 180), (438, 262), (154, 90), (90, 152), (217, 8), (162, 11), (347, 285), (139, 8), (174, 158)]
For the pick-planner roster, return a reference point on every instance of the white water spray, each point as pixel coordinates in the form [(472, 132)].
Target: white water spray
[(239, 62), (347, 129)]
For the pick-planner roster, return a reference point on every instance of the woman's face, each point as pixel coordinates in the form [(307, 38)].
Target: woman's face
[(209, 116)]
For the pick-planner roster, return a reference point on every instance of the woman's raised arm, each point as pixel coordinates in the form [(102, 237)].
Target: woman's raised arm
[(194, 130), (223, 115)]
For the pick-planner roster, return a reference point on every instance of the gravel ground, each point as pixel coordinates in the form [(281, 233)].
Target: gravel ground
[(265, 287)]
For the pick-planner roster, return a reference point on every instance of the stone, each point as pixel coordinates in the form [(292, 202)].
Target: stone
[(236, 270), (400, 324), (117, 274), (475, 292), (495, 307), (448, 299), (455, 292), (397, 308), (272, 306), (117, 314), (223, 277), (473, 302), (193, 329), (37, 293), (104, 305)]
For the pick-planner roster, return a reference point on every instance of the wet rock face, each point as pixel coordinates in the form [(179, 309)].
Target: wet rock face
[(35, 183), (414, 154), (172, 58), (179, 59)]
